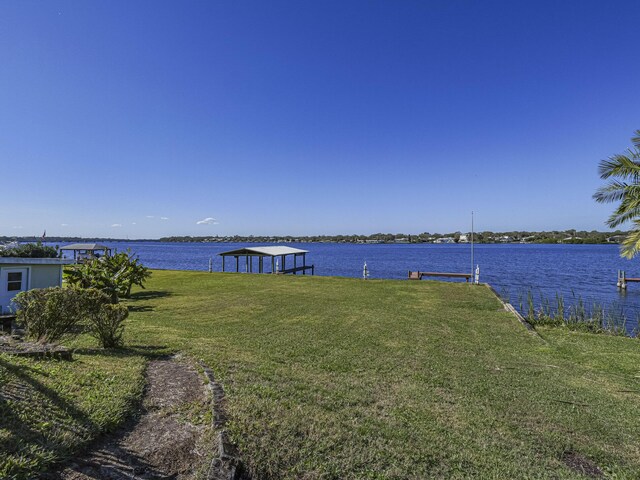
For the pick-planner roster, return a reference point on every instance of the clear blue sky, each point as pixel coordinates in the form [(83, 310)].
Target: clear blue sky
[(307, 117)]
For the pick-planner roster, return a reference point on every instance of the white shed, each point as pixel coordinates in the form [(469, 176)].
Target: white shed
[(20, 274)]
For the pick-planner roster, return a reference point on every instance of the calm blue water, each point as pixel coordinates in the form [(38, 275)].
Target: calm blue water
[(588, 271)]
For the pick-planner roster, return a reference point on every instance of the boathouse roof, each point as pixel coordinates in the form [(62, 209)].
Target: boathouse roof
[(265, 251), (85, 246)]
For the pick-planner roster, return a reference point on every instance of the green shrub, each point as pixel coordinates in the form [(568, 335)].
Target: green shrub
[(30, 250), (48, 314), (114, 275), (106, 320), (92, 300), (107, 324)]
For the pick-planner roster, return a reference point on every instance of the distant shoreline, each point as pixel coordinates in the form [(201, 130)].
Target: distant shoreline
[(512, 237)]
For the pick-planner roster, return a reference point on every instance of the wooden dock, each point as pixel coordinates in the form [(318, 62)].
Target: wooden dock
[(294, 270), (623, 280), (419, 275)]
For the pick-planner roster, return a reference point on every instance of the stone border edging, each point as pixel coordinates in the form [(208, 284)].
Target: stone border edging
[(226, 464), (511, 309)]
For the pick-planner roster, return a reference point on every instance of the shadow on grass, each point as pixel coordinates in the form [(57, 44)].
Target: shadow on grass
[(20, 436), (149, 295), (142, 296), (25, 393), (140, 308), (150, 352)]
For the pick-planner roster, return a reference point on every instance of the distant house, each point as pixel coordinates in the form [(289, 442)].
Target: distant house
[(464, 238), (20, 274)]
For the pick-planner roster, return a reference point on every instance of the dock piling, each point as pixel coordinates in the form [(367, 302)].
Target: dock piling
[(624, 281)]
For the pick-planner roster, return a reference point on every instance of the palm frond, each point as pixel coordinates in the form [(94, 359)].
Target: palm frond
[(622, 166), (630, 246), (612, 192), (636, 139), (615, 220), (623, 188), (629, 209)]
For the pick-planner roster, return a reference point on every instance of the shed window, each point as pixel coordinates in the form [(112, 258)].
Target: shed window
[(14, 281)]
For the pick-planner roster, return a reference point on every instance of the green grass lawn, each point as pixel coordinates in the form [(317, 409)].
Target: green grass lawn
[(50, 409), (341, 378)]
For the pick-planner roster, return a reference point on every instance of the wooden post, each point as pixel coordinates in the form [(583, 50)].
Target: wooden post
[(472, 260), (283, 264), (273, 264), (259, 264), (210, 264), (304, 263)]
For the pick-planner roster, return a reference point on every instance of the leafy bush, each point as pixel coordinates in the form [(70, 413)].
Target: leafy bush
[(92, 300), (49, 313), (106, 319), (114, 275), (30, 250), (107, 324)]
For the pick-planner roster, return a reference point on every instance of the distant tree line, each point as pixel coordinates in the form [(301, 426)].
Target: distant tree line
[(29, 250), (36, 239), (571, 236), (554, 236)]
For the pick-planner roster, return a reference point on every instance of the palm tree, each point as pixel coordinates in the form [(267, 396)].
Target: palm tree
[(623, 173)]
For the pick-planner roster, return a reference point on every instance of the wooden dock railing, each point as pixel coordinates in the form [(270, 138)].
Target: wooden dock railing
[(419, 275), (294, 270)]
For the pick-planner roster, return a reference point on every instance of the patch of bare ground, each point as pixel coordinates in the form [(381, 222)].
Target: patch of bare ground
[(581, 464), (165, 440)]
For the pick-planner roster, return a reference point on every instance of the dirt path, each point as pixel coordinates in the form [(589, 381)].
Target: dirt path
[(164, 441)]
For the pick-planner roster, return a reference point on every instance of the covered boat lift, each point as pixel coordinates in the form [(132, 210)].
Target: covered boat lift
[(269, 252), (87, 251)]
